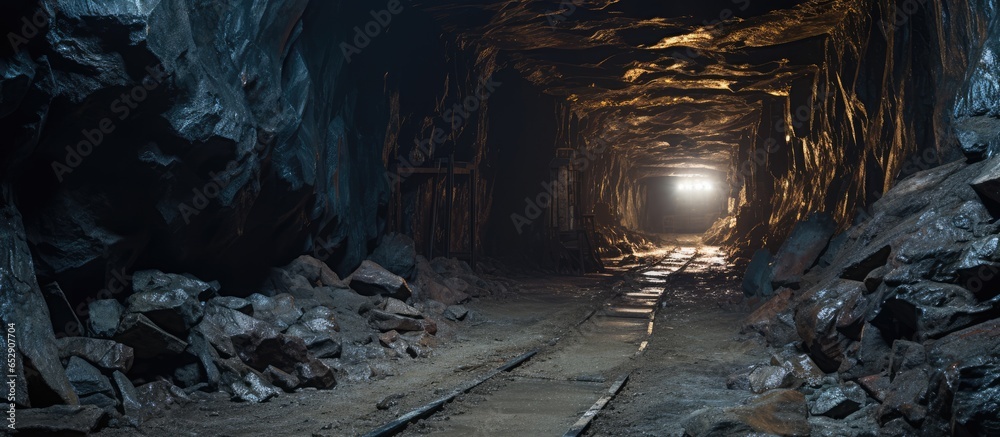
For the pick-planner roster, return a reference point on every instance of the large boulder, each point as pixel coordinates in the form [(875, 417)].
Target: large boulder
[(932, 309), (370, 279), (828, 318), (176, 311), (396, 253), (801, 249)]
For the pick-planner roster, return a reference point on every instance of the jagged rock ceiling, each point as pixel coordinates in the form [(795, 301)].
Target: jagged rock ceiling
[(674, 85)]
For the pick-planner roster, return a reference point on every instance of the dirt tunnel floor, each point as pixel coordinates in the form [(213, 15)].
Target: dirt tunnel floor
[(693, 347)]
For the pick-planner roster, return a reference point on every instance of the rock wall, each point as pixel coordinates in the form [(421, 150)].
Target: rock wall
[(215, 140), (898, 87)]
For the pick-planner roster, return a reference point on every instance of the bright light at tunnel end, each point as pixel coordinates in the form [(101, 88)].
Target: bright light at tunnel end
[(695, 185)]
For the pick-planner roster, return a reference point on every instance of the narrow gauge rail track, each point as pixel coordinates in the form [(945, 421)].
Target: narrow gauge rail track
[(542, 391)]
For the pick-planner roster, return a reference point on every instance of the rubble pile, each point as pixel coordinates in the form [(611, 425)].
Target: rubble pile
[(304, 328), (891, 328)]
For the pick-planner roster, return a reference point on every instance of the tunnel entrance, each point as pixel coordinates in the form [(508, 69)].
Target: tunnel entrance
[(685, 203)]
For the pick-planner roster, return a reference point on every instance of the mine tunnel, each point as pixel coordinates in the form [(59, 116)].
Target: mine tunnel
[(500, 217)]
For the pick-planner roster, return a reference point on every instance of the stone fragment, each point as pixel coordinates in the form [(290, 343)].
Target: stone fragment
[(371, 279), (253, 388), (934, 309), (455, 312), (22, 304), (351, 301), (987, 183), (906, 397), (861, 268), (281, 379), (86, 379), (767, 378), (905, 356), (397, 254), (234, 303), (398, 307), (160, 283), (104, 317), (101, 400), (159, 396), (801, 367), (877, 386), (314, 373), (279, 310), (106, 354), (146, 339), (840, 401), (316, 272), (131, 404), (221, 324), (319, 330), (200, 348), (384, 321), (823, 317), (188, 375), (175, 311), (278, 350)]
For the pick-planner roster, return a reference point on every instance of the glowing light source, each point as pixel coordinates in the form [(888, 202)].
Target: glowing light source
[(695, 185)]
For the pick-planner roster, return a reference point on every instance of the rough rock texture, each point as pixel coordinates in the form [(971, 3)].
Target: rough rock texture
[(780, 412), (370, 279), (920, 334), (61, 420), (23, 308), (801, 249), (105, 354)]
